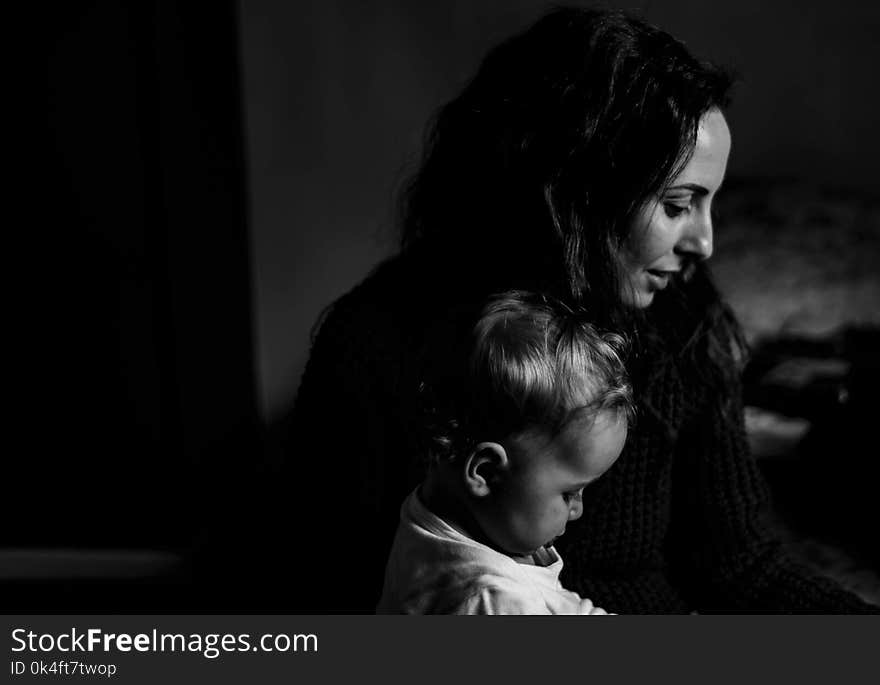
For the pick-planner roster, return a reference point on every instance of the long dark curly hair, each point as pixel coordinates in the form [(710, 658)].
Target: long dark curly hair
[(533, 175)]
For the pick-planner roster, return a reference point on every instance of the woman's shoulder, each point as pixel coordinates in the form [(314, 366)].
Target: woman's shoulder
[(359, 355), (374, 308), (370, 336)]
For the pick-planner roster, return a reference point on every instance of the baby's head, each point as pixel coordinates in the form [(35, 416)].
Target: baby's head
[(541, 413)]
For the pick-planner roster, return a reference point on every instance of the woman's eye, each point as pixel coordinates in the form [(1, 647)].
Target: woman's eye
[(673, 210)]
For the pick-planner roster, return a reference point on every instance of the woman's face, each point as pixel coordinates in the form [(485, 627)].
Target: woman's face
[(675, 229)]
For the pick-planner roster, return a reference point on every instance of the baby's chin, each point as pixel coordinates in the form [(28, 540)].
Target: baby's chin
[(529, 557)]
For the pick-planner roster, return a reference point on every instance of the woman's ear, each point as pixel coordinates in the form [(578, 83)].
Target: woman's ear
[(483, 468)]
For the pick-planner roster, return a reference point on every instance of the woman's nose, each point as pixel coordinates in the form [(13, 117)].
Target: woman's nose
[(696, 240)]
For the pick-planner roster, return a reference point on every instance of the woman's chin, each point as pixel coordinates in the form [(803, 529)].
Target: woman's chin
[(642, 288), (639, 299)]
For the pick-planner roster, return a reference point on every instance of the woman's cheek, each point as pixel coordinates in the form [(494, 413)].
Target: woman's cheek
[(655, 242)]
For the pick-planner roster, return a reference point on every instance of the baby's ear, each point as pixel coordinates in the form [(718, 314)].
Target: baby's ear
[(484, 467)]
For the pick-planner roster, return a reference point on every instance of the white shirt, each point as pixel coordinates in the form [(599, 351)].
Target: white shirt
[(435, 569)]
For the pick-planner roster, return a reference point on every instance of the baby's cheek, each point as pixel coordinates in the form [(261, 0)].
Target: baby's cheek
[(561, 512)]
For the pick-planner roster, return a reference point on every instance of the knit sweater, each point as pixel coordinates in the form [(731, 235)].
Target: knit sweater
[(676, 525)]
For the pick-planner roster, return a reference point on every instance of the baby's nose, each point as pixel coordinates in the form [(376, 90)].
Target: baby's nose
[(577, 508)]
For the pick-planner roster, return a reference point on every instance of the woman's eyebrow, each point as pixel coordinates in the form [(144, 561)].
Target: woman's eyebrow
[(693, 187)]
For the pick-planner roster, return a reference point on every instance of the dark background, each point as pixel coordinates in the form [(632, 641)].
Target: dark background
[(212, 179)]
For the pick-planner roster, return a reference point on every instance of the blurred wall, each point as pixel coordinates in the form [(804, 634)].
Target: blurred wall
[(337, 94)]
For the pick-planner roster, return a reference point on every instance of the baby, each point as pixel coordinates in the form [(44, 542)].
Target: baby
[(536, 410)]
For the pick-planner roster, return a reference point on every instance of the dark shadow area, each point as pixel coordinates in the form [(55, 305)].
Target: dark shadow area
[(797, 261), (824, 482), (139, 482)]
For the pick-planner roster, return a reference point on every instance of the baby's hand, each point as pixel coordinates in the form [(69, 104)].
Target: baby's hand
[(587, 608)]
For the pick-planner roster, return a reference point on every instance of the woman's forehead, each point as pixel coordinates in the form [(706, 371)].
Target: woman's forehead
[(708, 163)]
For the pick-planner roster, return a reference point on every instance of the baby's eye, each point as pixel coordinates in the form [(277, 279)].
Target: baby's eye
[(572, 495)]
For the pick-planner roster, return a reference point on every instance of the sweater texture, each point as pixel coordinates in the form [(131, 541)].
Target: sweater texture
[(676, 525)]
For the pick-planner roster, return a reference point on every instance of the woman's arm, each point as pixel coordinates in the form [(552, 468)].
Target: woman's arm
[(726, 555)]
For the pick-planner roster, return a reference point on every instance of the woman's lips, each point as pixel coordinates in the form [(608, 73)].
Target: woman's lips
[(659, 279)]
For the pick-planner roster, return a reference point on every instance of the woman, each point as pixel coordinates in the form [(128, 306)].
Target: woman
[(581, 161)]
